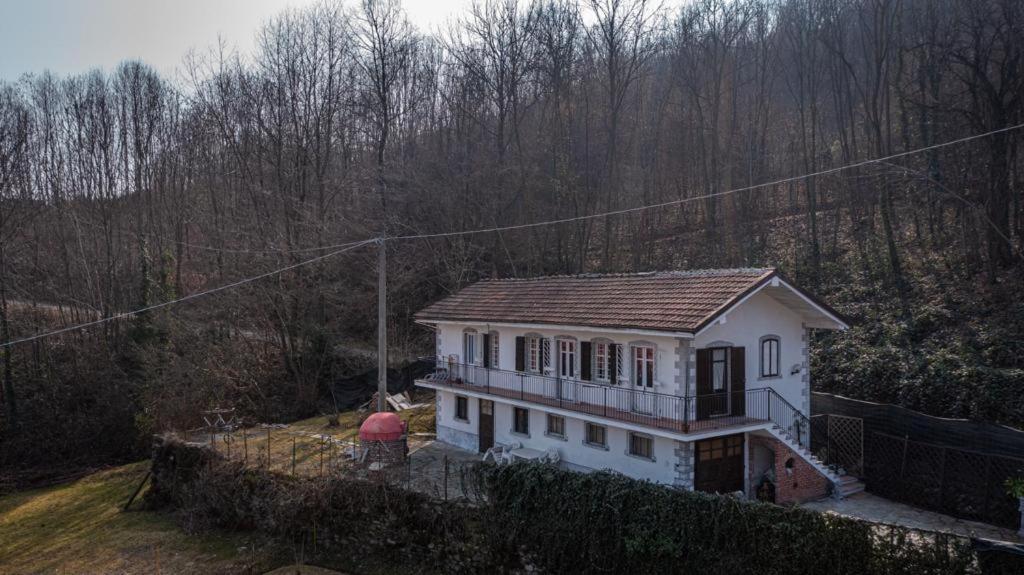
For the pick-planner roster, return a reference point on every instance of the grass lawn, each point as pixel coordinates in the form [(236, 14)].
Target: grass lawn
[(79, 527)]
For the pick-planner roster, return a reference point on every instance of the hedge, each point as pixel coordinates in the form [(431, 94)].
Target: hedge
[(335, 515), (537, 517), (604, 522)]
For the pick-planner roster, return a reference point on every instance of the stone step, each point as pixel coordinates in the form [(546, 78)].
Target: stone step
[(851, 488)]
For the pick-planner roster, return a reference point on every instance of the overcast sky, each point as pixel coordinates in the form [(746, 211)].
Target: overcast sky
[(71, 36)]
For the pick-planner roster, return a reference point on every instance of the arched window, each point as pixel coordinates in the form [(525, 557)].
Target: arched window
[(770, 356)]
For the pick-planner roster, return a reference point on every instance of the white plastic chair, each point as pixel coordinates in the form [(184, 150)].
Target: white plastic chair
[(552, 456)]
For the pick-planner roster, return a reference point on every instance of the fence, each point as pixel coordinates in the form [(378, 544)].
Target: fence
[(685, 414), (957, 467), (957, 482), (429, 469)]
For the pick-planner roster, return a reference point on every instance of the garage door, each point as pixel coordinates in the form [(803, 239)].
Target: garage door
[(719, 465)]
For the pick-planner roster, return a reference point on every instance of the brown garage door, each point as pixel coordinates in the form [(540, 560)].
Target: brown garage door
[(719, 465)]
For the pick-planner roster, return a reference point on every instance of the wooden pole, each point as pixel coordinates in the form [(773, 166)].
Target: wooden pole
[(268, 448), (293, 456), (382, 327)]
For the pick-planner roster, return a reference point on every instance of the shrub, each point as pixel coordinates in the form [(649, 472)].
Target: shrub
[(537, 517), (567, 522)]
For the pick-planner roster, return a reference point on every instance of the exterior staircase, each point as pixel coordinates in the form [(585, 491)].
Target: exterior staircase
[(841, 485), (848, 485)]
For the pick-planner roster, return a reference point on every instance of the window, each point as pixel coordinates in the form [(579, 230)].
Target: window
[(533, 359), (602, 366), (566, 358), (720, 447), (643, 366), (770, 357), (556, 425), (471, 347), (641, 445), (461, 408), (521, 421), (597, 435), (719, 369), (494, 350)]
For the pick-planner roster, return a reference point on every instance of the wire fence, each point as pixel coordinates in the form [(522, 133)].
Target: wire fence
[(956, 467), (957, 482), (415, 463)]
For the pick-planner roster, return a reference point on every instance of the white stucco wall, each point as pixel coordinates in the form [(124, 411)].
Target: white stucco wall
[(667, 373), (759, 316)]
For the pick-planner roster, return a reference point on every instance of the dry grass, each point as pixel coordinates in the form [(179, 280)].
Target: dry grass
[(79, 527), (312, 443)]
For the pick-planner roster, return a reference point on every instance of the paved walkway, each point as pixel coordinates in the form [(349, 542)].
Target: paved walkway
[(427, 474), (427, 468), (876, 509)]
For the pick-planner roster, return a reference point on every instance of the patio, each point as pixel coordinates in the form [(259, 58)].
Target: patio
[(879, 510)]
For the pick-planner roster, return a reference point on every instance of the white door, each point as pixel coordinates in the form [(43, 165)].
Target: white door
[(643, 379), (567, 369)]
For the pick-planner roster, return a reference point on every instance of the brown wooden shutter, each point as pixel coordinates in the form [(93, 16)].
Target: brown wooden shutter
[(520, 353), (705, 402), (613, 363), (586, 360), (738, 379), (487, 350)]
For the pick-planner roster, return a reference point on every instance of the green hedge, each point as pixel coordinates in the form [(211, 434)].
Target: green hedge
[(569, 522), (338, 516), (534, 516)]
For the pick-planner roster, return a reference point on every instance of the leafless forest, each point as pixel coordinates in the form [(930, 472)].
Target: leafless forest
[(126, 189)]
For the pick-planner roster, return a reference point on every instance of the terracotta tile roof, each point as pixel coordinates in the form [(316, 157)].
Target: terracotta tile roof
[(664, 301)]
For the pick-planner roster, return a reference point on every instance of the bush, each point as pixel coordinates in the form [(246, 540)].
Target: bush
[(534, 516), (340, 516), (603, 522)]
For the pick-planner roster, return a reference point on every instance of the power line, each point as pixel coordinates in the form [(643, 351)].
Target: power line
[(186, 298), (711, 195), (354, 245)]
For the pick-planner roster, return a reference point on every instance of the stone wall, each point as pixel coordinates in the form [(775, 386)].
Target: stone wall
[(684, 464)]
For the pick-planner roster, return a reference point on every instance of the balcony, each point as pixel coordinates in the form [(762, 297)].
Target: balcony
[(693, 414)]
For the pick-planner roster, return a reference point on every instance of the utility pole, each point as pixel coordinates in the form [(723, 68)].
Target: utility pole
[(382, 324)]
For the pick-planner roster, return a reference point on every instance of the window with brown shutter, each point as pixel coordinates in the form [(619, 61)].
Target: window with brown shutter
[(521, 420), (586, 360), (461, 408), (596, 435), (641, 445)]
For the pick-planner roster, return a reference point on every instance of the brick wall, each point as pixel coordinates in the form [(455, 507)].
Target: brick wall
[(802, 482)]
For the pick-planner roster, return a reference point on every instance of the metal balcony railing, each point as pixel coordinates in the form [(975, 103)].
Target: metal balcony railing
[(624, 402)]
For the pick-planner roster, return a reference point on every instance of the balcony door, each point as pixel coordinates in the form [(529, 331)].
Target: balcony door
[(643, 379), (567, 362), (720, 382)]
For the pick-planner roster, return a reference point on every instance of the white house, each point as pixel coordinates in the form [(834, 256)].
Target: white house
[(698, 379)]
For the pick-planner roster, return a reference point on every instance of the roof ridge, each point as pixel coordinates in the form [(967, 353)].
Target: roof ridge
[(653, 273)]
